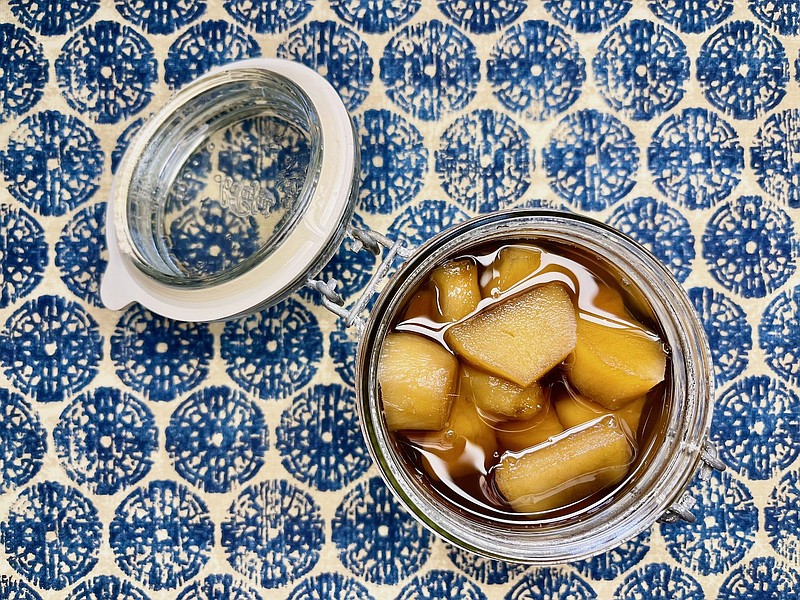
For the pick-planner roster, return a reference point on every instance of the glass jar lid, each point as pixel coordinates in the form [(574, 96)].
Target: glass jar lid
[(233, 194)]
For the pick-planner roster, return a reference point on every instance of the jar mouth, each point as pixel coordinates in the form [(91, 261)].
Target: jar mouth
[(221, 177), (669, 463)]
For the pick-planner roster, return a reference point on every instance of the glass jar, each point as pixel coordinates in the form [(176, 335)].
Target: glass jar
[(655, 491), (230, 195), (240, 189)]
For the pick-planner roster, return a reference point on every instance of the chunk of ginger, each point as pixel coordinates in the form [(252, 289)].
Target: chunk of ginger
[(501, 397), (574, 410), (417, 379), (512, 265), (566, 470), (519, 435), (614, 366), (520, 338), (458, 290), (423, 304), (467, 444)]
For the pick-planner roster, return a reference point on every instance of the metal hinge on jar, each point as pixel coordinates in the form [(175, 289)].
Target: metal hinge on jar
[(681, 510), (375, 243)]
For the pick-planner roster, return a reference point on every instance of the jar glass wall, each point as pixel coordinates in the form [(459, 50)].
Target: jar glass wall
[(665, 469)]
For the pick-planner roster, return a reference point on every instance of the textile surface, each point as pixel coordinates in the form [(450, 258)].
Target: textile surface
[(148, 458)]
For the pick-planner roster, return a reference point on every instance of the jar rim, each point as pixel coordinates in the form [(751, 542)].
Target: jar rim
[(650, 493), (306, 244)]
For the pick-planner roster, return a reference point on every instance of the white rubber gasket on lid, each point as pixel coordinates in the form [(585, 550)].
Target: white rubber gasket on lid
[(285, 269)]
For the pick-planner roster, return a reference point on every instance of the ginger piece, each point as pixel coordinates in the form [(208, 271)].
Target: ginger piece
[(501, 397), (520, 338), (512, 265), (575, 410), (417, 379), (519, 435), (613, 365), (610, 301), (466, 443), (458, 290), (566, 470)]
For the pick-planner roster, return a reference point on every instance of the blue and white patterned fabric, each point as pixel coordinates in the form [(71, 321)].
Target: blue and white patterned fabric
[(144, 458)]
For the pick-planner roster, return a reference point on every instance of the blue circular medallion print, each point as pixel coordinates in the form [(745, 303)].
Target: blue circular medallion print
[(23, 441), (376, 538), (23, 71), (782, 16), (53, 163), (273, 534), (725, 529), (50, 348), (661, 229), (482, 16), (536, 69), (335, 52), (692, 16), (319, 440), (763, 578), (105, 71), (484, 570), (750, 246), (268, 16), (591, 159), (219, 587), (484, 161), (757, 426), (217, 438), (743, 70), (275, 352), (330, 585), (53, 17), (695, 158), (587, 16), (161, 535), (775, 156), (778, 333), (158, 357), (12, 589), (375, 16), (420, 222), (782, 517), (52, 535), (161, 16), (106, 587), (551, 584), (343, 350), (203, 46), (105, 440), (441, 584), (609, 565), (394, 161), (81, 253), (23, 249), (641, 69), (659, 581), (729, 334), (430, 69)]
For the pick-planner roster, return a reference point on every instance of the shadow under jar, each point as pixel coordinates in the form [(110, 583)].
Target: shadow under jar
[(239, 190)]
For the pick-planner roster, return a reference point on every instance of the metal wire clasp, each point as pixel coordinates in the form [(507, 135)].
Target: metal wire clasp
[(373, 242), (682, 508)]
